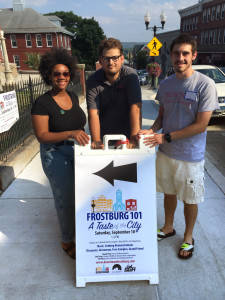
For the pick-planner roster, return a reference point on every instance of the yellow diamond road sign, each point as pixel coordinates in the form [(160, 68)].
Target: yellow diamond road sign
[(154, 45), (154, 53)]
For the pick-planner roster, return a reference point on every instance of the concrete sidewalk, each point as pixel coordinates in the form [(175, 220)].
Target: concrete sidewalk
[(33, 265)]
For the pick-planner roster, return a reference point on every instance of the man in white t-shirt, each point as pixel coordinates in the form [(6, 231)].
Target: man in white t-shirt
[(187, 100)]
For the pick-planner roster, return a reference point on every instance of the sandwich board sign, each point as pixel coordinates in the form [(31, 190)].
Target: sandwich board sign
[(115, 208), (9, 113)]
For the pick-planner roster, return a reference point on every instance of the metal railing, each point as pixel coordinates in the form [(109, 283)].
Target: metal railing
[(26, 93)]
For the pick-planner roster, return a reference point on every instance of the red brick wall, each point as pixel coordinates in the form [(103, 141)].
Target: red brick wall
[(97, 65), (22, 49)]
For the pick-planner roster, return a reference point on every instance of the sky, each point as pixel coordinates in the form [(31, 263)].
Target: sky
[(121, 19)]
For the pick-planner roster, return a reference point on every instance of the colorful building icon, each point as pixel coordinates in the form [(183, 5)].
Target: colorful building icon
[(131, 204), (102, 204), (119, 205)]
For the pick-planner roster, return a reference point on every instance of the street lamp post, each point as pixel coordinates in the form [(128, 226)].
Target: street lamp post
[(154, 29)]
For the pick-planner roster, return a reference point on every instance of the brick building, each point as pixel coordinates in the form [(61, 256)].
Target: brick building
[(27, 31), (206, 22)]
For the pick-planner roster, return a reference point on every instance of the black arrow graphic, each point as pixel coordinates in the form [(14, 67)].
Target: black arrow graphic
[(124, 173)]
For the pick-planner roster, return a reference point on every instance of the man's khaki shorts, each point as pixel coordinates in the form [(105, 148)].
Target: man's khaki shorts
[(181, 178)]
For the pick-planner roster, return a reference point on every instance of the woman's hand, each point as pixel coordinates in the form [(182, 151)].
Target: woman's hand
[(80, 136)]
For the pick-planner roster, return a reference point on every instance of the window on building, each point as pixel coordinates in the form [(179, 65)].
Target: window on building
[(187, 25), (211, 37), (61, 40), (68, 42), (193, 23), (213, 13), (16, 60), (219, 36), (222, 11), (204, 16), (39, 40), (49, 40), (28, 40), (208, 14), (190, 24), (206, 37), (184, 24), (202, 38), (13, 41), (65, 41), (217, 12), (215, 36), (196, 22), (224, 36)]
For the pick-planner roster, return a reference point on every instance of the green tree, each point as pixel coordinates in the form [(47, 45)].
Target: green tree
[(141, 60), (32, 60), (87, 36), (86, 41)]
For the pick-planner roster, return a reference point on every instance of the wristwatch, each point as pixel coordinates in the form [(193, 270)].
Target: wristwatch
[(168, 137)]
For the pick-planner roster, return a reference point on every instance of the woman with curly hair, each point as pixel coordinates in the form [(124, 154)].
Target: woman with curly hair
[(58, 120)]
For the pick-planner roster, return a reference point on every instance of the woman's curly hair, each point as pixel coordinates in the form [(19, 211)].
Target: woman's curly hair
[(54, 57)]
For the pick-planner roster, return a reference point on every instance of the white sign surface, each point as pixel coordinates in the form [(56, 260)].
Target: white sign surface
[(116, 232), (9, 113)]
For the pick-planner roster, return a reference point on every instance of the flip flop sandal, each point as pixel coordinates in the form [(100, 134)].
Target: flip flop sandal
[(70, 250), (161, 235), (186, 247)]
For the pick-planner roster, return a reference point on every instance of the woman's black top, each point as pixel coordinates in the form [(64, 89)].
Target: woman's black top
[(60, 119)]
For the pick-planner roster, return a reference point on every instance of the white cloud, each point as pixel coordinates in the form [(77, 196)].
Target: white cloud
[(105, 20)]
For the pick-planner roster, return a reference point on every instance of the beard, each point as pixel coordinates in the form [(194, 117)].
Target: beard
[(183, 67)]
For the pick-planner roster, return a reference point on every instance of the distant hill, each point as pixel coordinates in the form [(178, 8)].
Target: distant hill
[(130, 45)]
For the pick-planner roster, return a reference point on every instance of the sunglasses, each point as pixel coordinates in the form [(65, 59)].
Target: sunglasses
[(58, 74), (113, 58)]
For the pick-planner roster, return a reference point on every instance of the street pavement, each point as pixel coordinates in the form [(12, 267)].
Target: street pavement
[(34, 266)]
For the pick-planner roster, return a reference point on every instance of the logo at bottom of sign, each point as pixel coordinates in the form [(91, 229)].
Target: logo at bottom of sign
[(115, 268), (130, 268), (102, 269)]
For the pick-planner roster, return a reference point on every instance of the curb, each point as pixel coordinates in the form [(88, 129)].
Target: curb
[(17, 161), (213, 172)]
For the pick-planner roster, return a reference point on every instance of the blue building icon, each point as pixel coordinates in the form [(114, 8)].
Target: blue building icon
[(119, 205)]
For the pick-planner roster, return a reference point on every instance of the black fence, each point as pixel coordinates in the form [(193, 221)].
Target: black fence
[(26, 93)]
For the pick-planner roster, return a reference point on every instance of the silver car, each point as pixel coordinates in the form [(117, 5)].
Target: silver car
[(142, 77), (219, 78)]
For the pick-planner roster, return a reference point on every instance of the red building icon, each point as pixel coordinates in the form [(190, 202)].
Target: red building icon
[(131, 204)]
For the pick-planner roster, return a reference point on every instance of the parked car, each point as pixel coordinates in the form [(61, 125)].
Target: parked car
[(219, 78), (222, 69), (145, 73), (142, 77)]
